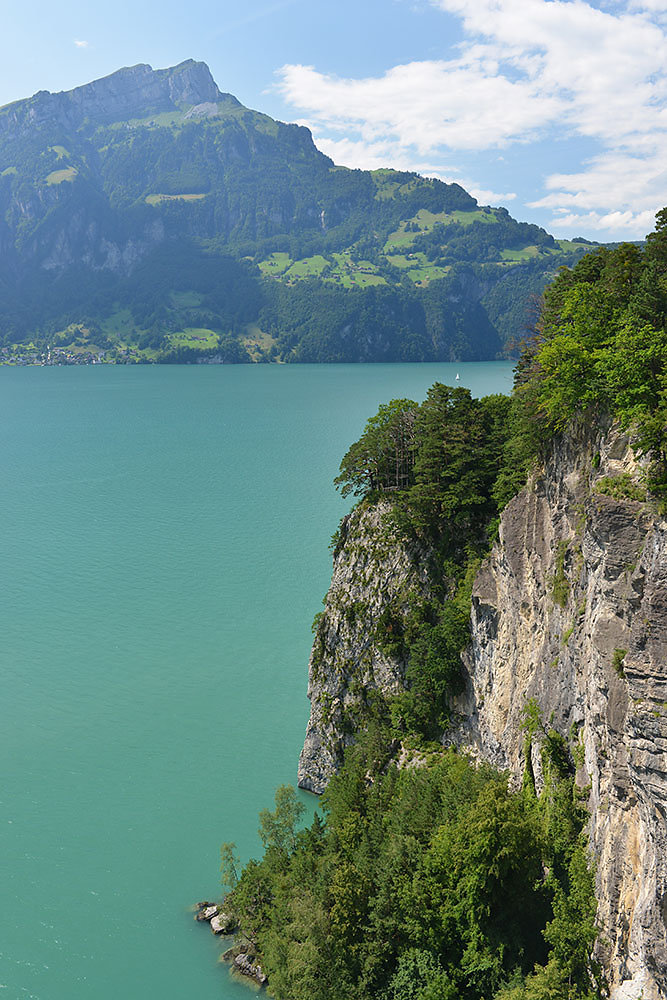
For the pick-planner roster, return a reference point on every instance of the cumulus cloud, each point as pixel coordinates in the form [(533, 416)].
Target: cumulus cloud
[(80, 44), (527, 70), (424, 105)]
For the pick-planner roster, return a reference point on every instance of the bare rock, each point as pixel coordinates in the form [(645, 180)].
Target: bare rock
[(373, 570), (593, 655), (222, 923), (204, 911), (247, 967)]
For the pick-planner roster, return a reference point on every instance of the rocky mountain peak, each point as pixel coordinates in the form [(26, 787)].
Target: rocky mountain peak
[(131, 92), (137, 90)]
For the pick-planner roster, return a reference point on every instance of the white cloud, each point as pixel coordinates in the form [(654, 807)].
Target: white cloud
[(372, 155), (424, 104), (613, 221), (485, 196), (80, 44), (527, 70)]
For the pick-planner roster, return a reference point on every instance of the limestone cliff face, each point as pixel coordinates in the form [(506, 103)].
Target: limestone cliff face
[(373, 569), (570, 609)]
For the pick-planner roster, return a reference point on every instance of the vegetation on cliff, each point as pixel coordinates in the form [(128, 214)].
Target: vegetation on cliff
[(439, 463), (600, 349), (434, 880)]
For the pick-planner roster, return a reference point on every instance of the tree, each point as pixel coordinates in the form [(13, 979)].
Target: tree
[(229, 865), (383, 457), (278, 829)]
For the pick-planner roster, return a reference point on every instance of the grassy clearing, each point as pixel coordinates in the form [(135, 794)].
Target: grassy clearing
[(119, 324), (418, 267), (156, 199), (58, 176), (400, 239), (366, 280), (429, 272), (342, 261), (192, 336), (88, 348), (527, 253), (404, 261), (8, 170), (569, 245), (353, 274), (70, 333), (257, 342), (389, 185), (308, 267), (75, 339), (164, 119), (486, 215), (426, 221), (60, 152), (261, 122), (276, 264)]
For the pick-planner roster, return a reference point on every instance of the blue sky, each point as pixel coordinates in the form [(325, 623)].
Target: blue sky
[(556, 109)]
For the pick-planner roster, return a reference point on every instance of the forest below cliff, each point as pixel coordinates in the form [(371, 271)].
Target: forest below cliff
[(438, 878), (150, 217)]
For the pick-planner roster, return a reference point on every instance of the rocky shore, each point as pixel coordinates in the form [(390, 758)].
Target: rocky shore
[(241, 954)]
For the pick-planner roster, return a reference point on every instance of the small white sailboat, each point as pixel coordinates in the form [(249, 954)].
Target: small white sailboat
[(458, 377)]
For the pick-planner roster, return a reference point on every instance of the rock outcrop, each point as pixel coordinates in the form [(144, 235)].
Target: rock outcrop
[(133, 91), (570, 610), (373, 570)]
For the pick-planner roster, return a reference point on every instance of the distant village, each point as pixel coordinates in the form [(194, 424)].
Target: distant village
[(21, 356)]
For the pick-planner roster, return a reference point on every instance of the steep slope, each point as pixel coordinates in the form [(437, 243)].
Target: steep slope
[(151, 211), (569, 615), (571, 610), (373, 570)]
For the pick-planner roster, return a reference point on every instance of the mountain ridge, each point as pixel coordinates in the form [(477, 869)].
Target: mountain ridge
[(188, 82), (245, 235)]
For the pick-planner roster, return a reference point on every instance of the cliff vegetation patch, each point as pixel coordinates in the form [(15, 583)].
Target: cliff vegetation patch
[(427, 883)]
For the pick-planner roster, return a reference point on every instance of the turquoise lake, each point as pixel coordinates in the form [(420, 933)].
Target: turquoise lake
[(164, 549)]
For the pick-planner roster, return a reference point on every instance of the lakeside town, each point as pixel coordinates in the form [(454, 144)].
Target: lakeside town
[(22, 356)]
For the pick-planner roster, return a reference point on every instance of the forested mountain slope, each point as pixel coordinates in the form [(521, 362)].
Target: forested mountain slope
[(150, 216)]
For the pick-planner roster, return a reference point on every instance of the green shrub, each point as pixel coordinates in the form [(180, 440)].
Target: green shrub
[(618, 660), (622, 487)]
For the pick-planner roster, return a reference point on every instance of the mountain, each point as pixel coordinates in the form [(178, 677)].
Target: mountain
[(149, 216)]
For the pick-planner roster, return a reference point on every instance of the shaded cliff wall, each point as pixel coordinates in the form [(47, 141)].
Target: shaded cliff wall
[(569, 609)]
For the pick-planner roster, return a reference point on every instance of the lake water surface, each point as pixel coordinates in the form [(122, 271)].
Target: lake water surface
[(163, 550)]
